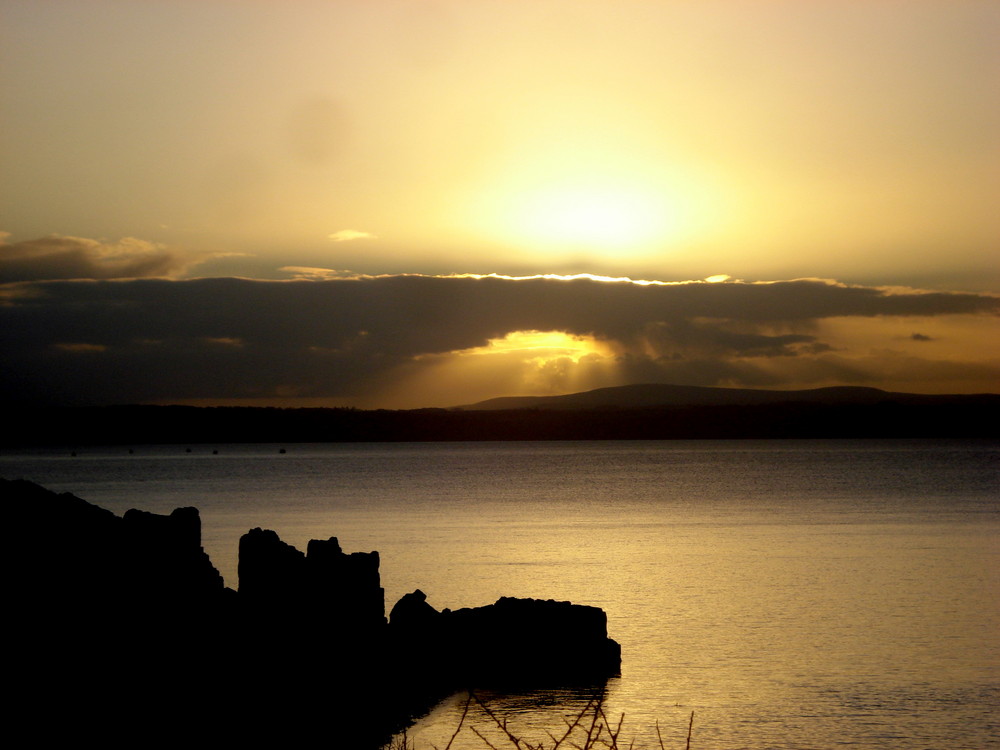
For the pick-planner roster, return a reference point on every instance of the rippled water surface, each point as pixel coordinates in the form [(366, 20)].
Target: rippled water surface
[(807, 594)]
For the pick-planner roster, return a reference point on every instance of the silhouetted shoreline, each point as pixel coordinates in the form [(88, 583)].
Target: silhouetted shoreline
[(127, 634), (974, 416)]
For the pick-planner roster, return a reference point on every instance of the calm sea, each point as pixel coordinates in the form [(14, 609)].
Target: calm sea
[(799, 594)]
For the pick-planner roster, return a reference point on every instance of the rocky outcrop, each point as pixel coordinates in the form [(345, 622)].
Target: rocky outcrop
[(66, 550), (511, 642), (166, 558), (126, 628), (338, 590)]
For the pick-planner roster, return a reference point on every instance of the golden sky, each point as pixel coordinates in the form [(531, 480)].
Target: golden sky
[(856, 142)]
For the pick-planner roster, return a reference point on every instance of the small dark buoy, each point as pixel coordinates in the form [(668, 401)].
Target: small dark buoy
[(282, 450), (130, 451), (73, 454), (215, 453), (187, 450)]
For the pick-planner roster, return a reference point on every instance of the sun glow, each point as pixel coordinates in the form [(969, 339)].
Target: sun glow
[(610, 217), (591, 215), (583, 190), (520, 363), (542, 347)]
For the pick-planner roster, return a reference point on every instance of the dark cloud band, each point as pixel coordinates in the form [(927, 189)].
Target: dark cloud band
[(154, 339)]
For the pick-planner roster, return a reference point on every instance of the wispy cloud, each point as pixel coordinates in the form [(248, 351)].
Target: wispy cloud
[(348, 235), (311, 273), (61, 257)]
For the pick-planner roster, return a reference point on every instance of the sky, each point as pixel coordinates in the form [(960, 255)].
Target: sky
[(409, 203)]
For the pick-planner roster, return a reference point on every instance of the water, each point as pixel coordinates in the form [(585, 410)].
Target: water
[(806, 594)]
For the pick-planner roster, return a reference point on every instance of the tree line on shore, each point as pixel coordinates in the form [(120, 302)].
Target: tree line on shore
[(946, 417)]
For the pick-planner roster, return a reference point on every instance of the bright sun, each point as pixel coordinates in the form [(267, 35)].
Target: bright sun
[(597, 213), (575, 192), (598, 216)]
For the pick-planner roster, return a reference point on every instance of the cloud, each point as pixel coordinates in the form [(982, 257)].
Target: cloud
[(312, 273), (374, 340), (714, 339), (347, 235), (60, 257)]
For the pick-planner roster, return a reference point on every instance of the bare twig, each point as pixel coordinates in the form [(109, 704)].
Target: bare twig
[(588, 729), (480, 736), (501, 724), (616, 733), (572, 725), (461, 721)]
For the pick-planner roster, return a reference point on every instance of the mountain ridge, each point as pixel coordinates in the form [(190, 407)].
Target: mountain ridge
[(644, 395)]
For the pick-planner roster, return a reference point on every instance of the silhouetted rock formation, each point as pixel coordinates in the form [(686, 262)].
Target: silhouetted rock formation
[(412, 613), (71, 551), (512, 642), (165, 556), (128, 633), (114, 623), (342, 590)]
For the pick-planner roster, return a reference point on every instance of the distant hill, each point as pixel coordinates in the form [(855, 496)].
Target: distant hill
[(648, 395), (633, 412)]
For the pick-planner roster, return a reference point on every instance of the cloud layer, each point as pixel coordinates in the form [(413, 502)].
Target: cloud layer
[(59, 257), (421, 340)]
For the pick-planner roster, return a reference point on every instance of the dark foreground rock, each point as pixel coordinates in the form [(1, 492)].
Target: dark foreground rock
[(120, 630), (514, 642)]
